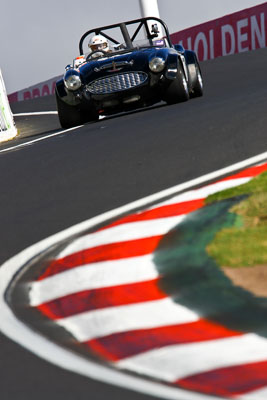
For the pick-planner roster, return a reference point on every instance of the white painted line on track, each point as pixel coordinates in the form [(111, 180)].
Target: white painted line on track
[(36, 113), (41, 346), (44, 137), (38, 140), (25, 114)]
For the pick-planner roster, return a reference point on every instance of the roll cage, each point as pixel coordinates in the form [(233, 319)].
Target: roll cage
[(143, 23)]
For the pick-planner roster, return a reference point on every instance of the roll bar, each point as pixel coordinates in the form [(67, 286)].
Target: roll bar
[(143, 22)]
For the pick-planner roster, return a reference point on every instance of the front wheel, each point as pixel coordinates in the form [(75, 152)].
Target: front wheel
[(177, 91), (198, 87), (69, 116)]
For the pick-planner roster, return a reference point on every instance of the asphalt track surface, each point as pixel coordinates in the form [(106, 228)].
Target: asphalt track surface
[(52, 184)]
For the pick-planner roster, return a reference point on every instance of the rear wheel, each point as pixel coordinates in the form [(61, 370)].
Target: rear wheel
[(177, 91)]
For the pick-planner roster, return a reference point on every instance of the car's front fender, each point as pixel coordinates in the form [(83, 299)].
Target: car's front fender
[(67, 96), (192, 63), (172, 67)]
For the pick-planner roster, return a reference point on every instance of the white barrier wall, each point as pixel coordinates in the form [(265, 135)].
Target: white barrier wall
[(7, 125)]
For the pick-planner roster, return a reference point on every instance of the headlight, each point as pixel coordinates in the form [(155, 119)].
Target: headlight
[(157, 64), (72, 80)]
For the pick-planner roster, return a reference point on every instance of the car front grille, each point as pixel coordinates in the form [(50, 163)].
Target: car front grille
[(117, 83)]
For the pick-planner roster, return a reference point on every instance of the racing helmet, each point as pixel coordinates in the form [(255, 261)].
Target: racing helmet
[(98, 42)]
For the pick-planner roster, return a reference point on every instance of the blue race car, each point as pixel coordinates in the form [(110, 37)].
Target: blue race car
[(123, 67)]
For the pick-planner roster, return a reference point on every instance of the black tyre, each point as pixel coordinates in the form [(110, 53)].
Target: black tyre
[(90, 115), (197, 90), (69, 116), (177, 91)]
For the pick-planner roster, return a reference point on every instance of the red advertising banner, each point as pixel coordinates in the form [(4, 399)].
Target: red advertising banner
[(38, 90), (235, 33)]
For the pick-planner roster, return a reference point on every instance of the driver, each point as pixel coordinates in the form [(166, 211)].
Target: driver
[(99, 42)]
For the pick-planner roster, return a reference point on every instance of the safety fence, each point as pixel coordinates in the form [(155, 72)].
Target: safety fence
[(7, 125), (234, 33)]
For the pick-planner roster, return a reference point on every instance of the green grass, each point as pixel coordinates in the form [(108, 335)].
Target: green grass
[(255, 186), (245, 244)]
